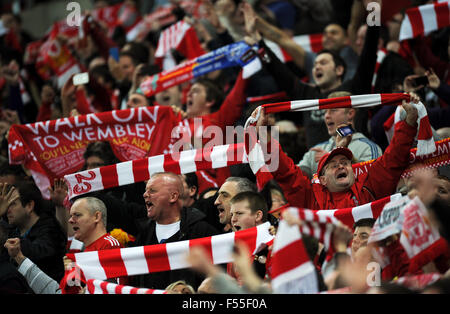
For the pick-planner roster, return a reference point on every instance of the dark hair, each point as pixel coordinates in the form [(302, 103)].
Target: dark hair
[(338, 60), (15, 170), (255, 200), (213, 93), (149, 69), (267, 191), (191, 181), (138, 52), (28, 192), (364, 222), (101, 150), (102, 70)]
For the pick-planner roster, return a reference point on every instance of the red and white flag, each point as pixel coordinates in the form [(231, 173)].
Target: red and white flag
[(95, 286), (181, 37), (292, 269), (424, 19), (147, 259), (60, 60), (419, 237)]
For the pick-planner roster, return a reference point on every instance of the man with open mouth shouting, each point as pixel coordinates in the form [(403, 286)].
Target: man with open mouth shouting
[(339, 187)]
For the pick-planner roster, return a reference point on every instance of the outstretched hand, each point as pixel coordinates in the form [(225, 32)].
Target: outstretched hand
[(250, 21), (59, 192)]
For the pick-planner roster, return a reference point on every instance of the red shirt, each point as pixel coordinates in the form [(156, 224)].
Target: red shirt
[(105, 242), (380, 180)]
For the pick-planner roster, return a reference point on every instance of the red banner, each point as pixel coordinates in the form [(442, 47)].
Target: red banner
[(441, 157), (55, 148)]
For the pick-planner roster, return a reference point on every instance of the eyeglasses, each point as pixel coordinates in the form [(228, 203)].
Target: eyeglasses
[(335, 164)]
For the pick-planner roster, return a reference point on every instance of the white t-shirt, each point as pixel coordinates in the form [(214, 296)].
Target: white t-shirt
[(163, 232)]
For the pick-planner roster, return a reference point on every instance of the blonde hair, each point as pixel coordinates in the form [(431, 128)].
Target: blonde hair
[(172, 286)]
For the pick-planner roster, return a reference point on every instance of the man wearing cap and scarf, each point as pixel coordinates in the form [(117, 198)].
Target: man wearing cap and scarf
[(339, 188)]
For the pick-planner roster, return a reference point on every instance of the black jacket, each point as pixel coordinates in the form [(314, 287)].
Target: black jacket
[(45, 245), (132, 218), (11, 281), (192, 226)]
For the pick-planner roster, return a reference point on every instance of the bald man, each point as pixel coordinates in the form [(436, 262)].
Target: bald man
[(169, 221)]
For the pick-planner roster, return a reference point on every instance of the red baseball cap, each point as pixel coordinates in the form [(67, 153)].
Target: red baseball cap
[(337, 151)]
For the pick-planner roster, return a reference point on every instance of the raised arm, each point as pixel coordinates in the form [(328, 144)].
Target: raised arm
[(273, 33), (285, 78), (296, 186), (385, 173)]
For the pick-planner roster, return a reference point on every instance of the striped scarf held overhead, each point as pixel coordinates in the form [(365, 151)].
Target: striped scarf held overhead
[(425, 141), (424, 19), (311, 43), (113, 263), (141, 169), (255, 150), (348, 216), (95, 286)]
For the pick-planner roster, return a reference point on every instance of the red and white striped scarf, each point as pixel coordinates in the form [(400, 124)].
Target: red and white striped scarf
[(350, 215), (425, 141), (95, 286), (253, 147), (355, 101), (311, 43), (381, 54), (424, 19), (141, 169), (147, 259)]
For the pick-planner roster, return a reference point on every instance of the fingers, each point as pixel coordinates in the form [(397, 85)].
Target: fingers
[(12, 243)]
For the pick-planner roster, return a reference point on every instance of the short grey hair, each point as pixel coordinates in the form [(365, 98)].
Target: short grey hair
[(94, 205), (243, 184)]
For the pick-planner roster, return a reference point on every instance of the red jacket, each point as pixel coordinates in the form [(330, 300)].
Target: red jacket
[(380, 181), (230, 111)]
